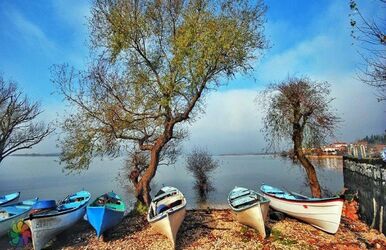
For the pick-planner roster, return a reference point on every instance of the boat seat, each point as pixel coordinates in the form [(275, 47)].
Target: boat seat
[(175, 203), (243, 200), (236, 195)]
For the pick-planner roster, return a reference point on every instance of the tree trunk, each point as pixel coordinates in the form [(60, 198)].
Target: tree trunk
[(142, 188), (310, 170), (311, 175)]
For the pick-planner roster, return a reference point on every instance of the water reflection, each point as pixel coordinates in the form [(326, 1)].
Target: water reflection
[(250, 171)]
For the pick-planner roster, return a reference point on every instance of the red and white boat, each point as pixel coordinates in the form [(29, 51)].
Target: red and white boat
[(322, 213)]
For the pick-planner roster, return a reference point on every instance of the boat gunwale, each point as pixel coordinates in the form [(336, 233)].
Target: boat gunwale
[(164, 214), (8, 201), (104, 206), (323, 200), (41, 216)]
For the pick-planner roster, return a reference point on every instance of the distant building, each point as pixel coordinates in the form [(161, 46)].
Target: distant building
[(328, 150), (357, 150), (336, 148)]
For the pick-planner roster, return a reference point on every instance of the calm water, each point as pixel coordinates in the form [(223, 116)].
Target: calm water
[(43, 177)]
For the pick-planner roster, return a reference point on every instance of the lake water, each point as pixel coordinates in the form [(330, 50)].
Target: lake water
[(43, 177)]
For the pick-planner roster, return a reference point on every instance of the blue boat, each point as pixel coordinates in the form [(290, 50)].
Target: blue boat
[(105, 212), (11, 213), (45, 223), (8, 198)]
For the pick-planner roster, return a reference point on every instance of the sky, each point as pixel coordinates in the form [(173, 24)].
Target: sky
[(306, 38)]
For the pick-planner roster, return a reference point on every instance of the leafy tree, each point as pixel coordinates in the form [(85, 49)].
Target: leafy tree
[(371, 35), (154, 62), (18, 130), (375, 139), (297, 109), (201, 164)]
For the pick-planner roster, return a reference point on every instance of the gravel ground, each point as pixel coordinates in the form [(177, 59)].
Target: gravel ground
[(217, 229)]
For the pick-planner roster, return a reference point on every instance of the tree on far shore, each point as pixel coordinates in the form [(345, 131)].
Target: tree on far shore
[(298, 110), (153, 63), (18, 128)]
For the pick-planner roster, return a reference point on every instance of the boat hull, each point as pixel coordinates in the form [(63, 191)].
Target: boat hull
[(324, 215), (45, 228), (170, 224), (6, 225), (9, 199), (102, 218), (254, 217)]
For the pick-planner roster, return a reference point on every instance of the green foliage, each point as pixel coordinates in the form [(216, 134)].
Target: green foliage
[(154, 63), (140, 208)]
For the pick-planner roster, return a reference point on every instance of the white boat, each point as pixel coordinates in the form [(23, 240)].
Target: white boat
[(250, 208), (167, 212), (322, 213), (10, 214), (44, 225)]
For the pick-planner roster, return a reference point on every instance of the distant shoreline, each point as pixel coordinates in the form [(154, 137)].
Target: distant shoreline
[(244, 154), (35, 154), (325, 156)]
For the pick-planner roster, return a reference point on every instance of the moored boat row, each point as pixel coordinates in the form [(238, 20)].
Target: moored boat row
[(46, 219), (167, 211)]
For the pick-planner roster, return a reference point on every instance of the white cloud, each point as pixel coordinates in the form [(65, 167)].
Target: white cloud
[(231, 123), (29, 32)]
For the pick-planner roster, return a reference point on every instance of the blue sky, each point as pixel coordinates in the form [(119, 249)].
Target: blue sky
[(307, 38)]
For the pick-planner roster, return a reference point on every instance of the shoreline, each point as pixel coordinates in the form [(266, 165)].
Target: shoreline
[(218, 229), (325, 156)]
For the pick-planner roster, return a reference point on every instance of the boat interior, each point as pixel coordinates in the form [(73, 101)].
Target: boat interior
[(284, 194), (244, 197), (11, 211), (112, 202), (165, 202)]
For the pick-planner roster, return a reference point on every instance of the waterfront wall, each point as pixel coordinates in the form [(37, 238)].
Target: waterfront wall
[(367, 179)]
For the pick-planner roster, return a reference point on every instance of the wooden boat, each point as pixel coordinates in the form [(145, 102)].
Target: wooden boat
[(167, 212), (9, 198), (250, 208), (322, 213), (105, 212), (12, 213), (47, 223)]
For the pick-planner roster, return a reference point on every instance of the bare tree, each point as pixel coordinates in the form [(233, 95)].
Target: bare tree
[(154, 62), (201, 164), (18, 130), (371, 35), (297, 109)]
